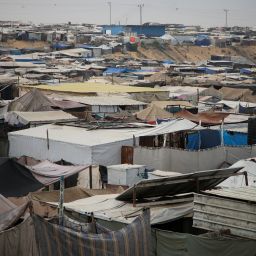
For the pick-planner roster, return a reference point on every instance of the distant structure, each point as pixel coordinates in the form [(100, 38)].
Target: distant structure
[(110, 13), (141, 6), (226, 17)]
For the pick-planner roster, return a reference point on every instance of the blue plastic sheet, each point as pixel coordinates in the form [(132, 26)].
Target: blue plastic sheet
[(212, 138), (235, 138)]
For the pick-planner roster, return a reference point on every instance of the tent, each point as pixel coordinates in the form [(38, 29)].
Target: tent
[(16, 180), (32, 101), (17, 118), (76, 145), (152, 113)]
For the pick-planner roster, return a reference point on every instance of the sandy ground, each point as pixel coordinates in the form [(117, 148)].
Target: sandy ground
[(191, 53), (176, 53)]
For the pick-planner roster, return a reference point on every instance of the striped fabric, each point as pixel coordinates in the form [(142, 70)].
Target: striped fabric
[(133, 240)]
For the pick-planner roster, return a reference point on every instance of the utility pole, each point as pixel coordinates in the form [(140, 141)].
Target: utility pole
[(226, 15), (110, 14), (141, 6)]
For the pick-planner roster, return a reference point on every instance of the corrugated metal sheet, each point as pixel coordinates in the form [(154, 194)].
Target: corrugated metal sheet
[(243, 193), (218, 213)]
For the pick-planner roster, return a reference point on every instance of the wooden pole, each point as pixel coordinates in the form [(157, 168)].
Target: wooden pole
[(61, 201), (90, 176)]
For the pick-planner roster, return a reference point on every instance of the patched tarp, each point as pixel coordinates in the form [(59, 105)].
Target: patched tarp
[(167, 243), (19, 240), (16, 180), (132, 240)]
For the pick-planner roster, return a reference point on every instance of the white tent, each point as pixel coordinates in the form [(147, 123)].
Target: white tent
[(73, 144), (80, 146)]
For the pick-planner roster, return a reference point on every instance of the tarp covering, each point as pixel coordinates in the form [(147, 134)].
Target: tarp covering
[(48, 173), (203, 139), (168, 243), (205, 118), (249, 165), (16, 118), (133, 240), (236, 94), (106, 207), (152, 113), (170, 127), (235, 138), (16, 180), (72, 144), (32, 101), (184, 161), (71, 194), (9, 212), (211, 138), (19, 240)]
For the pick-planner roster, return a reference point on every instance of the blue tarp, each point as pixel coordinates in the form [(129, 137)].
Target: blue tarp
[(110, 71), (60, 46), (212, 138), (246, 71), (235, 138), (202, 40), (208, 138), (168, 62)]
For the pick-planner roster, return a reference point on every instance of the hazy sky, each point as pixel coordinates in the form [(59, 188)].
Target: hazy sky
[(201, 12)]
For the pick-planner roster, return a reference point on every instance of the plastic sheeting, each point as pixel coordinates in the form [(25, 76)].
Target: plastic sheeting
[(48, 173), (212, 138), (166, 243), (16, 118), (19, 240), (9, 212), (249, 165), (203, 139), (106, 207), (184, 161), (72, 144)]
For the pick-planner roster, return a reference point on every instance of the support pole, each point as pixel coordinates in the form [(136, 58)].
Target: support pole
[(90, 176), (61, 202)]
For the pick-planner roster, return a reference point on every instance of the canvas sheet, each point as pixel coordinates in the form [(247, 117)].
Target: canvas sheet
[(166, 243), (19, 240), (48, 173), (132, 240), (184, 161), (10, 213)]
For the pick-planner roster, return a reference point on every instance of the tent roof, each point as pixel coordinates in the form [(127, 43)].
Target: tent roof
[(170, 127), (32, 101), (209, 117), (106, 207), (16, 117), (164, 104), (92, 87), (152, 113), (16, 180)]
